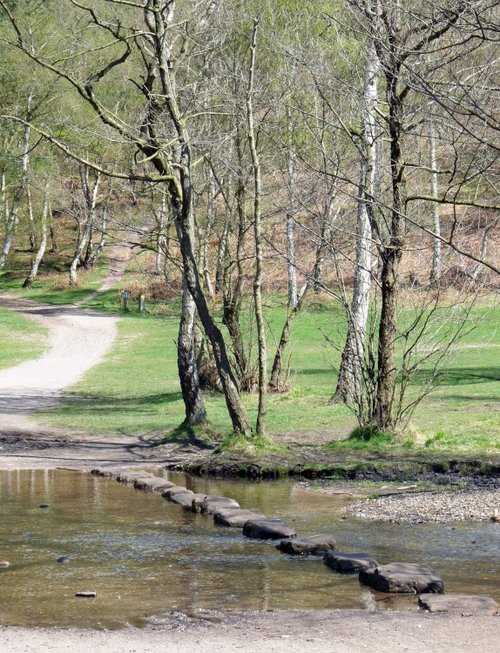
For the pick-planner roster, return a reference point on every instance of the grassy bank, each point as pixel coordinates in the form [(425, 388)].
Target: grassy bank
[(20, 339), (136, 389)]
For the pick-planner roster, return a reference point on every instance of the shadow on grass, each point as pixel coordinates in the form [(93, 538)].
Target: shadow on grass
[(458, 376), (104, 403)]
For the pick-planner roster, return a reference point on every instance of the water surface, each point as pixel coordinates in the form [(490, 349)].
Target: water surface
[(144, 555)]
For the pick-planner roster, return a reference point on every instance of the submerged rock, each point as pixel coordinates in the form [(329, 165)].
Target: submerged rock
[(267, 529), (312, 545), (402, 577), (348, 563), (63, 560), (235, 517), (464, 604)]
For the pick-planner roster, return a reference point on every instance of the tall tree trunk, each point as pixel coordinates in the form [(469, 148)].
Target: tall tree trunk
[(233, 288), (435, 278), (235, 408), (290, 216), (349, 383), (257, 285), (391, 258), (43, 242)]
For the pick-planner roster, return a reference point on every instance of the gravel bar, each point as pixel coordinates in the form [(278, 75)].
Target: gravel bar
[(463, 505)]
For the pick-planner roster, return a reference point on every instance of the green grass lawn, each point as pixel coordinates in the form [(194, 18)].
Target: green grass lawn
[(136, 389), (20, 339)]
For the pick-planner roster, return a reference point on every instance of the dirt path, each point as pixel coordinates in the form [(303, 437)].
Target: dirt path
[(77, 340)]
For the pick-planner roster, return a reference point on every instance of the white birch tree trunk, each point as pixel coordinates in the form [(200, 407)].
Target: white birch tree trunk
[(43, 241), (435, 278), (350, 374), (12, 218), (257, 284), (290, 216)]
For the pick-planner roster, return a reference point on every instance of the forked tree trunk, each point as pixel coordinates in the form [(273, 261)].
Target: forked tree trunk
[(85, 229), (186, 362), (235, 408)]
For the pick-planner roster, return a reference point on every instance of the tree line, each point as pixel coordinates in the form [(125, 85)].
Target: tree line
[(335, 136)]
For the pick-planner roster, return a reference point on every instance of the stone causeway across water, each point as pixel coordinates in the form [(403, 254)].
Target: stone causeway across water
[(395, 577)]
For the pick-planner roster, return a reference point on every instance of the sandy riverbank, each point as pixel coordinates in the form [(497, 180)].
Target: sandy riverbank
[(280, 632)]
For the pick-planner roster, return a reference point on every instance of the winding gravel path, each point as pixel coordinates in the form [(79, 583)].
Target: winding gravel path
[(77, 339)]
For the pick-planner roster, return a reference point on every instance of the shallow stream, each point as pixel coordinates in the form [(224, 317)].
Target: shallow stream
[(144, 556)]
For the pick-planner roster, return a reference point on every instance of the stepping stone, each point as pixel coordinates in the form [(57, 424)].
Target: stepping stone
[(86, 595), (267, 529), (153, 484), (107, 472), (348, 563), (314, 545), (464, 604), (212, 504), (4, 564), (403, 578), (132, 477), (182, 498), (63, 560), (175, 489), (235, 517), (196, 496)]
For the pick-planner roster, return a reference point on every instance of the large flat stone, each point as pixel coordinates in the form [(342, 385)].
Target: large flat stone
[(267, 529), (348, 563), (172, 491), (235, 517), (153, 484), (182, 498), (464, 604), (402, 577), (313, 545), (212, 504)]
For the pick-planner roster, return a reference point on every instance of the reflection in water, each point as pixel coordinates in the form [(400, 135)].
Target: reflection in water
[(143, 555)]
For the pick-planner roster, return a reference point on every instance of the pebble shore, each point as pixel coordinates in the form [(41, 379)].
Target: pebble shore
[(479, 504)]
